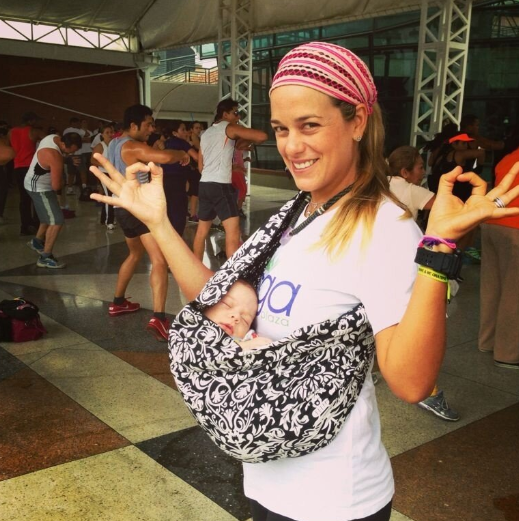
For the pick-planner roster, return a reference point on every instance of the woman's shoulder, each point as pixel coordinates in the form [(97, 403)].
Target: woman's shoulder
[(389, 209), (392, 221), (393, 218)]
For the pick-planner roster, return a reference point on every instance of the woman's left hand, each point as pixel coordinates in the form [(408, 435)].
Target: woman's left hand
[(450, 218)]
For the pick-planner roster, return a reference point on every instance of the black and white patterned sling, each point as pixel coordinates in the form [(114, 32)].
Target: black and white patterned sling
[(284, 400)]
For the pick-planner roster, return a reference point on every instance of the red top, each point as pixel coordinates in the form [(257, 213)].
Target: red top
[(23, 145), (502, 168)]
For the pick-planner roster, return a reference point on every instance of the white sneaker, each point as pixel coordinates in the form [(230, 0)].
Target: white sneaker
[(110, 226), (70, 190)]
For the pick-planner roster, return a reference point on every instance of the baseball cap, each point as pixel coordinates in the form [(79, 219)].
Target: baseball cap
[(460, 137), (28, 116)]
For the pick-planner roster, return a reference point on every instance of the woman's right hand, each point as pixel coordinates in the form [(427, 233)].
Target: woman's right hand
[(145, 201), (451, 218)]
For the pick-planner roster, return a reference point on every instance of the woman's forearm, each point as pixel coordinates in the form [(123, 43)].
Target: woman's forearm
[(410, 354)]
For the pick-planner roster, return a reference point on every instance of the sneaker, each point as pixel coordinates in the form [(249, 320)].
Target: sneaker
[(192, 219), (50, 262), (70, 190), (110, 226), (438, 405), (121, 309), (158, 328), (506, 365), (36, 245)]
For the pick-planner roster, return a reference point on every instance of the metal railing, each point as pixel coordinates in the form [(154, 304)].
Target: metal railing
[(190, 74)]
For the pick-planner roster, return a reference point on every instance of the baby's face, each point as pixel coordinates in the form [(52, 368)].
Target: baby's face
[(236, 311)]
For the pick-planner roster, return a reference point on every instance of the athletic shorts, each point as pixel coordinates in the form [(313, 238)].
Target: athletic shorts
[(130, 225), (47, 207), (193, 179), (216, 199)]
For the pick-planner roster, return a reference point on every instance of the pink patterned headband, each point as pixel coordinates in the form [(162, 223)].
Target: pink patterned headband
[(330, 69)]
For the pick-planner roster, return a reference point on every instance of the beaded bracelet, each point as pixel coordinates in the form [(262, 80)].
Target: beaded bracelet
[(429, 240), (440, 277)]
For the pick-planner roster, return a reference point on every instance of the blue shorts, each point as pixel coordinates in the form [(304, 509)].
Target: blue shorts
[(47, 207)]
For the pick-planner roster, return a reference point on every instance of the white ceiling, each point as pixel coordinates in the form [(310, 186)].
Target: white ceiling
[(160, 24)]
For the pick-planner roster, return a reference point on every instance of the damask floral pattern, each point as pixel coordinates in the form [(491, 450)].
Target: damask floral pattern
[(284, 400)]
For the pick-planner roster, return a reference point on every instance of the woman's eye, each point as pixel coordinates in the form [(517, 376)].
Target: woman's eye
[(310, 125), (277, 130)]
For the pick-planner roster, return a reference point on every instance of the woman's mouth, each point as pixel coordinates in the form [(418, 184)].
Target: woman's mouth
[(301, 165)]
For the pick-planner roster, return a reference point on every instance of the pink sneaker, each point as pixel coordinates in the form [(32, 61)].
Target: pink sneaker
[(121, 309), (158, 328)]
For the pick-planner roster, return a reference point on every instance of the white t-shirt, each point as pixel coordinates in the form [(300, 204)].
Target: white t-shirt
[(350, 478), (413, 196), (98, 138), (217, 151)]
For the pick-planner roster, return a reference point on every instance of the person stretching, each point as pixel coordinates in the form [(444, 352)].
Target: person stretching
[(123, 151)]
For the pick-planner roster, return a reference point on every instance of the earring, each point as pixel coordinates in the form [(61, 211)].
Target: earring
[(357, 138)]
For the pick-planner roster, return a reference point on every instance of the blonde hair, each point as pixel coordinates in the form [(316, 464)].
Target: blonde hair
[(369, 190)]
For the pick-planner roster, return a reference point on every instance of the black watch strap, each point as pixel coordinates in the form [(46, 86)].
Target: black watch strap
[(448, 264)]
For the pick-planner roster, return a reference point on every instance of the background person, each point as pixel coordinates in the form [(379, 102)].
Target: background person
[(195, 130), (123, 151), (456, 152), (76, 163), (43, 179), (406, 172), (176, 175), (499, 308), (23, 139), (329, 132), (107, 211), (7, 154), (217, 197)]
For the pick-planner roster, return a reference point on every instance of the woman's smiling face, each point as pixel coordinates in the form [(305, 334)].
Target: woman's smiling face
[(315, 142)]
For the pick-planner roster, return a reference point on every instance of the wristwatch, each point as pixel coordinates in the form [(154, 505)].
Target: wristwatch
[(448, 264)]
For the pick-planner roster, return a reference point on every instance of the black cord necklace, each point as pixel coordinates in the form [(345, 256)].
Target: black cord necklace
[(293, 229)]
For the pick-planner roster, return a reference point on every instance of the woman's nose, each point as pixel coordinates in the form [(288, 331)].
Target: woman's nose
[(293, 144)]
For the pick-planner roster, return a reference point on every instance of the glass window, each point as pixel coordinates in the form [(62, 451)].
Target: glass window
[(398, 35), (492, 71), (397, 122), (353, 42), (208, 50), (261, 80), (296, 37), (396, 19), (358, 26), (502, 22), (394, 73)]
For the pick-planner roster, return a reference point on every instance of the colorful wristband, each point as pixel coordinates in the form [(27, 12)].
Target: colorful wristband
[(440, 277), (429, 240)]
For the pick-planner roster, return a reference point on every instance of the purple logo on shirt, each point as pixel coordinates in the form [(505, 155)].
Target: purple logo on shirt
[(278, 296)]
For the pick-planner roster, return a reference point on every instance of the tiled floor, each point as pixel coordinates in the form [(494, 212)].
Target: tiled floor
[(92, 427)]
